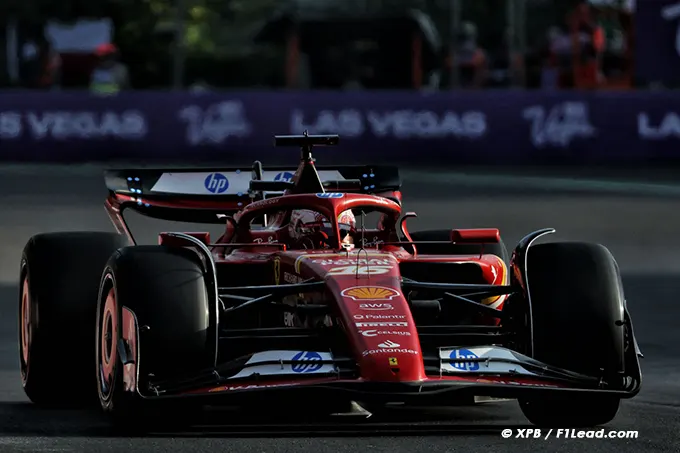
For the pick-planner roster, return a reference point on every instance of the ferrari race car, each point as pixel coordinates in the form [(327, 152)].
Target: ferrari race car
[(314, 310)]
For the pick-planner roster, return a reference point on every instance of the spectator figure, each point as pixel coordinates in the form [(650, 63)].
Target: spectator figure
[(41, 65), (588, 43), (30, 64), (353, 79), (51, 67), (615, 52), (200, 86), (110, 75), (469, 58), (505, 64), (557, 67)]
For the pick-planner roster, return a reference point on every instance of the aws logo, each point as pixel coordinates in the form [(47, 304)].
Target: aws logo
[(376, 307)]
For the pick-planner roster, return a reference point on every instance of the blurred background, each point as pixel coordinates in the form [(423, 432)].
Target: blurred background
[(579, 82), (318, 44)]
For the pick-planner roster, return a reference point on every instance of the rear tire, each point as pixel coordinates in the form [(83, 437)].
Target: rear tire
[(578, 324), (59, 277), (165, 289)]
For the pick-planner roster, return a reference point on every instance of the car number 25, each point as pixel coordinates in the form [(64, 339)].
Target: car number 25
[(361, 270)]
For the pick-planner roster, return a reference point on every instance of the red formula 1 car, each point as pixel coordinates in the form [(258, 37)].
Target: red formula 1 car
[(302, 301)]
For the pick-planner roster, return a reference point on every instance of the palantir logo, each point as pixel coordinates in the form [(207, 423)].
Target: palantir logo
[(284, 176), (216, 183), (671, 13), (458, 354), (311, 359), (560, 125)]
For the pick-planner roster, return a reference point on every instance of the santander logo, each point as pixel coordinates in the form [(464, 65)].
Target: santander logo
[(389, 344)]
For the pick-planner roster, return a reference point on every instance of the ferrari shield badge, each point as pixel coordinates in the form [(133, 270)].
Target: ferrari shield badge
[(393, 361)]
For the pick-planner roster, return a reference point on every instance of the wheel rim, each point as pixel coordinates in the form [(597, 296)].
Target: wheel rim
[(108, 345), (25, 329)]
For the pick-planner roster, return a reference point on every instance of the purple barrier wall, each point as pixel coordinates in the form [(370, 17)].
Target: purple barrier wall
[(439, 128)]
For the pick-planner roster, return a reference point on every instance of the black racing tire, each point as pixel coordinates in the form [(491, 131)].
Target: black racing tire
[(497, 249), (59, 284), (165, 288), (578, 312)]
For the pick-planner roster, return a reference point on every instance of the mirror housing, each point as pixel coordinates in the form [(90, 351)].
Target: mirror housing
[(476, 236), (165, 239)]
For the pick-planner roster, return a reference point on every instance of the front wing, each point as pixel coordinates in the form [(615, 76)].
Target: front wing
[(483, 371)]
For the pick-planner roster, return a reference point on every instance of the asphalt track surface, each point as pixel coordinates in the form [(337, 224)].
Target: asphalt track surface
[(638, 224)]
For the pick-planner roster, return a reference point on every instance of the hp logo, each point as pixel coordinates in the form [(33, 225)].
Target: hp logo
[(464, 354), (313, 360), (330, 195), (285, 176), (216, 183)]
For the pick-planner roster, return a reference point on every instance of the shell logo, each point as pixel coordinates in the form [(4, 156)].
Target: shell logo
[(370, 293)]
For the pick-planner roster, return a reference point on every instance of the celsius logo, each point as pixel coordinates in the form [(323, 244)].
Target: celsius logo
[(375, 333), (285, 176), (311, 362), (216, 183)]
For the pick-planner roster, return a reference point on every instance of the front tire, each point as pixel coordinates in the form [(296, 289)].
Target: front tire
[(165, 289), (578, 324)]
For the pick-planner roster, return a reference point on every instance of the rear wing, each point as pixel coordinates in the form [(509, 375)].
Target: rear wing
[(201, 194)]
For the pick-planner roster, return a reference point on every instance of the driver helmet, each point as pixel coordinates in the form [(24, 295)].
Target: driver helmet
[(304, 222)]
